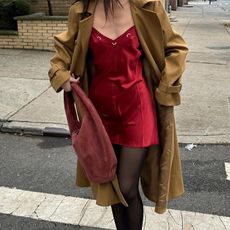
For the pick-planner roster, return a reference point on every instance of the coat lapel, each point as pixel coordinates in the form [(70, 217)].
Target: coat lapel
[(82, 41), (148, 27), (85, 25)]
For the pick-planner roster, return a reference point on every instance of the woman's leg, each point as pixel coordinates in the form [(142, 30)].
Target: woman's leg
[(130, 161)]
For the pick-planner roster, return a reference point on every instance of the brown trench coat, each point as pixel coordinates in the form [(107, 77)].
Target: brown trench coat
[(163, 64)]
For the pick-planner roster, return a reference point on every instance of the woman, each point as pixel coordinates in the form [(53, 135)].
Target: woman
[(129, 61)]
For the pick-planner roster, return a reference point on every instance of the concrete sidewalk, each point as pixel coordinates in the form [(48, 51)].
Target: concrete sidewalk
[(28, 104), (204, 114)]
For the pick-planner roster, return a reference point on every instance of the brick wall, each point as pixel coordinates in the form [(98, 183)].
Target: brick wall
[(34, 34)]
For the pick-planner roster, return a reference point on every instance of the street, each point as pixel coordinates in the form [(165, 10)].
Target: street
[(47, 165)]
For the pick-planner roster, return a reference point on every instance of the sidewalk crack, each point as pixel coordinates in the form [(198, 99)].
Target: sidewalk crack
[(173, 218), (182, 220), (222, 223), (83, 211), (35, 211), (18, 205), (144, 225), (56, 209), (22, 107), (186, 27), (16, 209)]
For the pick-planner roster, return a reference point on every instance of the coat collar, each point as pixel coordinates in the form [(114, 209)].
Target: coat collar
[(85, 24), (141, 3), (88, 19)]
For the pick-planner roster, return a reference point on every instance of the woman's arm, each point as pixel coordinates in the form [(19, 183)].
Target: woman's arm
[(64, 45), (176, 50)]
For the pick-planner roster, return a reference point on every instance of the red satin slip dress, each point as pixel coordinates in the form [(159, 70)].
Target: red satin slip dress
[(119, 91)]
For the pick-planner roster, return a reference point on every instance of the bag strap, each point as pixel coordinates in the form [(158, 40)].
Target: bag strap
[(78, 97), (73, 122)]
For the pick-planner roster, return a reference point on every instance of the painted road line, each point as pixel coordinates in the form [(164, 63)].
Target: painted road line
[(227, 170), (85, 212)]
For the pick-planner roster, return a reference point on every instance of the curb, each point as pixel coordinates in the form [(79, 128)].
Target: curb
[(48, 131), (55, 132), (7, 127)]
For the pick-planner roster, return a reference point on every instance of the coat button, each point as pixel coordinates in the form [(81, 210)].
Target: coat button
[(114, 43)]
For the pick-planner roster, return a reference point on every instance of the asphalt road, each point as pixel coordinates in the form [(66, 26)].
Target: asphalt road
[(46, 164)]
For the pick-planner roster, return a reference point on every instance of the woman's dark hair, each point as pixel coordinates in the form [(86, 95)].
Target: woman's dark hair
[(108, 5)]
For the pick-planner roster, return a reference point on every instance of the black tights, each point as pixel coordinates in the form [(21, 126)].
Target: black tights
[(130, 161)]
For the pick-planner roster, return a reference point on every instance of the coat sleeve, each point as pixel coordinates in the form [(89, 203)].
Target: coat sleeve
[(64, 46), (175, 50)]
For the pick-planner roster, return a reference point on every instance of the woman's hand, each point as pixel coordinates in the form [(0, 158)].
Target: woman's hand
[(66, 86)]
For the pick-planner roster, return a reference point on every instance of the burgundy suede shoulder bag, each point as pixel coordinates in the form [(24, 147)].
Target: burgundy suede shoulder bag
[(89, 137)]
